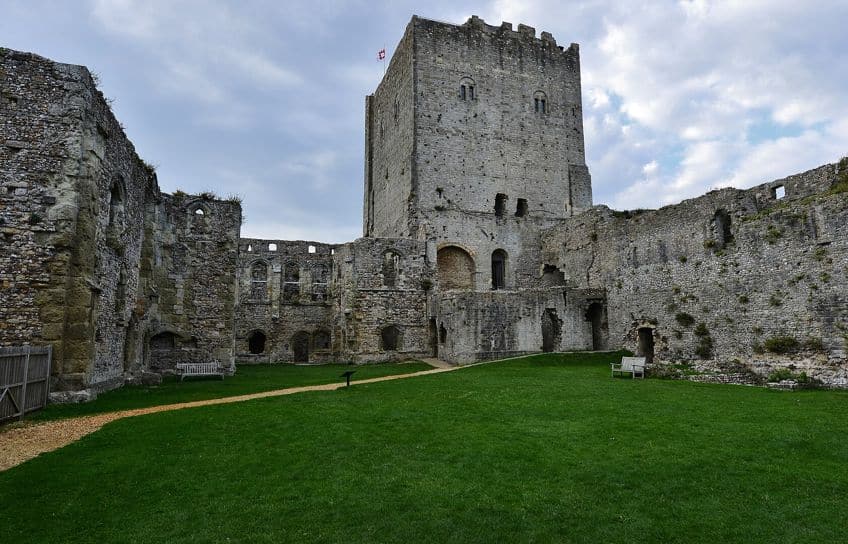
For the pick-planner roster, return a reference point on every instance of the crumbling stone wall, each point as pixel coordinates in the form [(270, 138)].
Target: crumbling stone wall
[(383, 283), (286, 296), (77, 209), (186, 308), (730, 277), (478, 326)]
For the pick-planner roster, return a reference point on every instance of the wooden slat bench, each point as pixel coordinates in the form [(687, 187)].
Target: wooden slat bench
[(635, 366), (199, 369)]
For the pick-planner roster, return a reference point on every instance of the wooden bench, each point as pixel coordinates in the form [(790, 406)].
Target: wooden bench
[(635, 366), (199, 369)]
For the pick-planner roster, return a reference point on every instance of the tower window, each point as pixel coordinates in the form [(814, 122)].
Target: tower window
[(500, 204), (521, 207), (467, 89), (540, 103), (498, 269)]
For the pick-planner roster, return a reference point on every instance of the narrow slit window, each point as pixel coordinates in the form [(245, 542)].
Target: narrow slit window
[(540, 103)]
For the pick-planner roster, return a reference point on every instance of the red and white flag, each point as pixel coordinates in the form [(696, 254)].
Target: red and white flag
[(381, 54)]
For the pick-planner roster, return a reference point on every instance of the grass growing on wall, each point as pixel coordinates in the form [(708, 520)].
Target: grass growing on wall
[(541, 449), (248, 379)]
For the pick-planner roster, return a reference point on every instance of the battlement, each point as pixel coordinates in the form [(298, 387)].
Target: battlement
[(524, 33)]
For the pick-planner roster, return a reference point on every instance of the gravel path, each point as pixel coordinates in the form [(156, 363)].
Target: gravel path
[(22, 443)]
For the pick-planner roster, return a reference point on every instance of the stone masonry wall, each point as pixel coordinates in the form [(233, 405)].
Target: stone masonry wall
[(286, 290), (389, 143), (85, 190), (732, 277), (383, 283), (80, 209), (185, 311)]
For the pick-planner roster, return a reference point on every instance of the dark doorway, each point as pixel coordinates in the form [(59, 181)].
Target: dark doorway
[(391, 338), (300, 347), (434, 337), (646, 344), (256, 342), (596, 314), (551, 330)]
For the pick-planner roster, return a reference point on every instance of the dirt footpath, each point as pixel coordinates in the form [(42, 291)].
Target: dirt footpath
[(19, 444)]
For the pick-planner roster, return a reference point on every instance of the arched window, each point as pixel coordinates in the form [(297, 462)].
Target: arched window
[(540, 103), (467, 89), (390, 337), (498, 269), (455, 268), (256, 342), (259, 280), (391, 268)]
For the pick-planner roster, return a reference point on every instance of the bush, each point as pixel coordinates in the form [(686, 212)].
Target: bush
[(702, 330), (780, 374), (781, 344), (684, 319)]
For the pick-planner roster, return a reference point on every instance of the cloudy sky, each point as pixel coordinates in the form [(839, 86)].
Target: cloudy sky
[(264, 98)]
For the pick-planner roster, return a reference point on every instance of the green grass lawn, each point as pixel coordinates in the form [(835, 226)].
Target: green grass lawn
[(542, 449), (247, 379)]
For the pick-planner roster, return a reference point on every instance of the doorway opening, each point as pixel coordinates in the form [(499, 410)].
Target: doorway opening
[(646, 344), (551, 330), (596, 314), (300, 347)]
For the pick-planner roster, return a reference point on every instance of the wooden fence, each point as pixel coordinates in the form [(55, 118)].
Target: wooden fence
[(24, 380)]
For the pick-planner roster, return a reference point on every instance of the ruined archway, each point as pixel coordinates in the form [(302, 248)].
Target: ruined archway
[(596, 314), (551, 330), (300, 347), (456, 268)]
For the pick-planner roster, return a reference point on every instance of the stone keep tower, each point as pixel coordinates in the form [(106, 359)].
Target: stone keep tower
[(474, 141)]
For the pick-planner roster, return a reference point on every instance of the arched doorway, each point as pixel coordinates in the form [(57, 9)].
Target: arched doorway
[(256, 342), (300, 347), (456, 268)]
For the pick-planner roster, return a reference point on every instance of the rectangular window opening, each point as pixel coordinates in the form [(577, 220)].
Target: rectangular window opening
[(521, 207), (778, 192), (500, 204)]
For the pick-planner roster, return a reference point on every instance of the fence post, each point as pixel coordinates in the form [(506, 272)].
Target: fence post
[(47, 379), (24, 386)]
